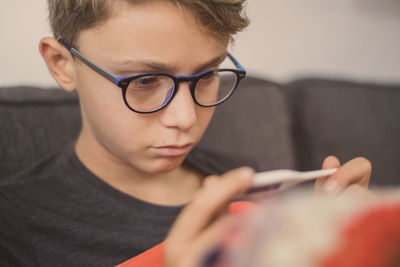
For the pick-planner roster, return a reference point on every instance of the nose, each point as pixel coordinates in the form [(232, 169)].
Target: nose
[(181, 111)]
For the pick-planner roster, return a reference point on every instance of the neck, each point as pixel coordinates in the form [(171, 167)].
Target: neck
[(173, 188)]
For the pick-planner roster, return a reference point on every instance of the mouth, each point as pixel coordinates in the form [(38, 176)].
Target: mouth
[(174, 150)]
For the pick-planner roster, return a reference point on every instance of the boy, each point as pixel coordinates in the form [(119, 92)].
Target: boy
[(117, 190)]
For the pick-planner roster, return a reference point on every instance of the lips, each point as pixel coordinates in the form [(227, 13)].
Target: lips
[(173, 150)]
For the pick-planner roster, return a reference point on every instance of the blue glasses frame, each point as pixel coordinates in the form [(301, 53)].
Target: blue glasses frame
[(123, 81)]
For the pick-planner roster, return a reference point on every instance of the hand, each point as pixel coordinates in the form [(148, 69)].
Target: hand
[(352, 177), (203, 221)]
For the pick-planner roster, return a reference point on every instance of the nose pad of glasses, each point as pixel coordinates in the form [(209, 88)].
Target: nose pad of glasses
[(169, 95)]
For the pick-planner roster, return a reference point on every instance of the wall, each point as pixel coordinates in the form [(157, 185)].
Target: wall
[(354, 39)]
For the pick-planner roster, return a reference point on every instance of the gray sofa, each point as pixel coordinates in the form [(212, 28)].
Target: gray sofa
[(264, 124)]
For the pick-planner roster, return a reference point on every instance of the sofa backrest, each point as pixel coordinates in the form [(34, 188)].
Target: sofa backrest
[(264, 125), (347, 119), (254, 125)]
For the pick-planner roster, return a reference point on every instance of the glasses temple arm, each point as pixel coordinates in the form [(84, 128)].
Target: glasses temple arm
[(109, 76), (234, 60)]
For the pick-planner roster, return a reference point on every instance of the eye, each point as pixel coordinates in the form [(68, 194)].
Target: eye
[(146, 82), (210, 75)]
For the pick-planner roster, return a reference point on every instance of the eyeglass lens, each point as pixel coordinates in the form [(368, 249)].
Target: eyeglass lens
[(150, 92)]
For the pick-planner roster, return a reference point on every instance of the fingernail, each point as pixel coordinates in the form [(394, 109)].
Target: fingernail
[(331, 185)]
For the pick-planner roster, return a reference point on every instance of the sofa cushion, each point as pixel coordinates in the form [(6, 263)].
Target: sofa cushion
[(348, 120)]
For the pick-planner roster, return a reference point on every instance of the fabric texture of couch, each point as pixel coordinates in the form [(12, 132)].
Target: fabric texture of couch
[(293, 126)]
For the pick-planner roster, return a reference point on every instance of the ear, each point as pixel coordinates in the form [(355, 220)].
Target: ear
[(59, 61)]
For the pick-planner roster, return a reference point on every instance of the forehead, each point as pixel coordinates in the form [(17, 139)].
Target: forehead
[(151, 30)]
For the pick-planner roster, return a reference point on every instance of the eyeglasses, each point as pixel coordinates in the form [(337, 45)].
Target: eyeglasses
[(151, 92)]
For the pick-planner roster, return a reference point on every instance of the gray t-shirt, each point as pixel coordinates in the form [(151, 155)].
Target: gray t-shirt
[(58, 213)]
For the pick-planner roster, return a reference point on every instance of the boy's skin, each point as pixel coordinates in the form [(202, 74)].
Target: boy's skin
[(141, 154)]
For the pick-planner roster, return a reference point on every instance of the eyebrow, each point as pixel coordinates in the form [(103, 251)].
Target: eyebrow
[(214, 61), (144, 66)]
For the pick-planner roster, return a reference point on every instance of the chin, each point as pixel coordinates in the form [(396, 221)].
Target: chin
[(165, 165)]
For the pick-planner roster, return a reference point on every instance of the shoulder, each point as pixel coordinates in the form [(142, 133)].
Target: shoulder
[(23, 187), (15, 240), (41, 170), (21, 199), (19, 188)]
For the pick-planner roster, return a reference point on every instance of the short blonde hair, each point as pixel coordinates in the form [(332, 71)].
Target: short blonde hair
[(219, 18)]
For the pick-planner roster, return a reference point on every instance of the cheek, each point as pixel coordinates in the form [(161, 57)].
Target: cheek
[(204, 116), (106, 116), (97, 93)]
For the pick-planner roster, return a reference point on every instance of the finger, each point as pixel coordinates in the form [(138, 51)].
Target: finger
[(359, 191), (210, 200), (208, 181), (328, 163), (223, 210), (355, 171), (208, 240)]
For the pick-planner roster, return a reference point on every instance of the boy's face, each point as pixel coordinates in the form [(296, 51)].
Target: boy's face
[(147, 37)]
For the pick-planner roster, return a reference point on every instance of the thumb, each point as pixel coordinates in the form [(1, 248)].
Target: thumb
[(328, 163)]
